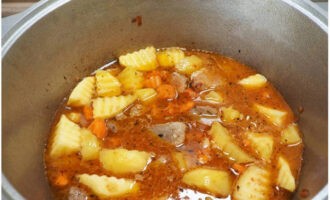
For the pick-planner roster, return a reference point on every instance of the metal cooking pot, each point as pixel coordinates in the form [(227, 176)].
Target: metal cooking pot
[(58, 42)]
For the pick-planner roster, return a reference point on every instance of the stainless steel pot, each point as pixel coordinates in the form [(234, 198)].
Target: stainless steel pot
[(57, 42)]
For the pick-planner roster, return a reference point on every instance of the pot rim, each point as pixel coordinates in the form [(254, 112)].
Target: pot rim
[(40, 9)]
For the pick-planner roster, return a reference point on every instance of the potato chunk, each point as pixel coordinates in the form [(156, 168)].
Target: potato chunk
[(262, 143), (169, 57), (107, 84), (146, 94), (189, 64), (131, 79), (230, 114), (217, 182), (105, 187), (180, 161), (253, 184), (290, 135), (274, 116), (226, 143), (123, 161), (285, 178), (82, 94), (67, 138), (253, 81), (108, 107), (90, 146), (213, 97), (142, 60)]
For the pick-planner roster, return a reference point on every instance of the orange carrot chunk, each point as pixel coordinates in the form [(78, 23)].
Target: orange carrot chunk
[(166, 91), (88, 112), (98, 128), (61, 180), (239, 168), (153, 81)]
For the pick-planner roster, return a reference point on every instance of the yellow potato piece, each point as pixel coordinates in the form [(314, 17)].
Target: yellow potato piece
[(142, 60), (131, 79), (90, 146), (82, 94), (213, 97), (169, 57), (217, 182), (107, 84), (230, 114), (180, 161), (67, 138), (262, 143), (146, 94), (105, 187), (74, 116), (121, 161), (189, 64), (253, 184), (108, 107), (285, 178), (253, 81), (274, 116), (226, 143), (290, 135)]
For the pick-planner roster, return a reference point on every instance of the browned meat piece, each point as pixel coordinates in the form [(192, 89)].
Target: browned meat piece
[(205, 79), (205, 111), (179, 81), (76, 193), (173, 132)]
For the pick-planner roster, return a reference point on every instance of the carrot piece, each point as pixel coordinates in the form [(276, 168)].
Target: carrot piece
[(88, 112), (191, 93), (98, 128), (166, 91), (186, 106), (239, 168), (153, 81), (61, 180)]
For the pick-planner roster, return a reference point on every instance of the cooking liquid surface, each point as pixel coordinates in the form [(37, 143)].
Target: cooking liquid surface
[(162, 179)]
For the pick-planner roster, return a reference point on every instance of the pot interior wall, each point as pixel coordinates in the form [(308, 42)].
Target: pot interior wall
[(72, 41)]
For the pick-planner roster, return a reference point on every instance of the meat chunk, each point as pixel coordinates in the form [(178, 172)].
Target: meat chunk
[(179, 81), (76, 193), (205, 111), (205, 79), (173, 132)]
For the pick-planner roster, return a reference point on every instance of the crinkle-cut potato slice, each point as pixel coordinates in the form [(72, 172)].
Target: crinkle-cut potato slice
[(146, 94), (253, 184), (107, 84), (108, 107), (226, 143), (131, 79), (290, 135), (285, 178), (90, 146), (105, 187), (274, 116), (74, 116), (66, 138), (213, 97), (230, 114), (142, 60), (121, 161), (178, 157), (169, 57), (217, 182), (253, 81), (262, 143), (189, 64), (82, 94)]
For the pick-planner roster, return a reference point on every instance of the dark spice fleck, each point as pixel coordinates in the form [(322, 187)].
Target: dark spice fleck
[(137, 20)]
